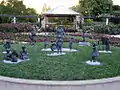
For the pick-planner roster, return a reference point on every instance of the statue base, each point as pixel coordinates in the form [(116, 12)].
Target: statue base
[(4, 52), (107, 52), (63, 49), (93, 63), (23, 42), (18, 61), (56, 54), (84, 44)]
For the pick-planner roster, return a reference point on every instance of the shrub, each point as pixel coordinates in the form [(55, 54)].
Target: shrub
[(89, 20), (100, 27), (19, 27)]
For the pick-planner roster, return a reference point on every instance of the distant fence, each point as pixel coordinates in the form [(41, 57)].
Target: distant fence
[(23, 16)]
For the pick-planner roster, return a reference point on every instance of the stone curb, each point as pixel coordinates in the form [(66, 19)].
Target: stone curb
[(59, 83)]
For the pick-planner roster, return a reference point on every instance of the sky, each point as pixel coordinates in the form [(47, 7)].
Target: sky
[(38, 4)]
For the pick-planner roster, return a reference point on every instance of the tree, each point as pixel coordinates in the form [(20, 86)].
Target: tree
[(30, 11), (116, 7), (94, 7), (45, 8), (15, 7), (116, 12), (77, 8)]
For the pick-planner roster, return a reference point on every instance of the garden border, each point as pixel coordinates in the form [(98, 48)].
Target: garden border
[(7, 83)]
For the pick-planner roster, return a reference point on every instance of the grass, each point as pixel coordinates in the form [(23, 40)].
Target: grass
[(68, 67)]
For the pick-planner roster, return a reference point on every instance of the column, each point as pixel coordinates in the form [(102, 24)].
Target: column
[(107, 21), (14, 20)]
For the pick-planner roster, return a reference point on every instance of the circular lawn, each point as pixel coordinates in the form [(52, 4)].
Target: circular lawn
[(71, 66)]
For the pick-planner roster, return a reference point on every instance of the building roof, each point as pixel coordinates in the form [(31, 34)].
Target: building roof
[(61, 10)]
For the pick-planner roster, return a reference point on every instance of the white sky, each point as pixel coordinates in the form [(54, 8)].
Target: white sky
[(38, 4)]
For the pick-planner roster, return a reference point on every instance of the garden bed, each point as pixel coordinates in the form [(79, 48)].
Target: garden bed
[(115, 41)]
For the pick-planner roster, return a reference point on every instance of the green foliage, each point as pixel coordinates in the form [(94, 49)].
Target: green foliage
[(116, 12), (116, 7), (15, 7), (99, 27), (89, 20), (45, 8), (94, 7), (77, 8), (61, 20)]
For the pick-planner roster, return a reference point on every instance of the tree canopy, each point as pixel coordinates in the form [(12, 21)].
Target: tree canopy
[(15, 7), (116, 9), (93, 7), (45, 8)]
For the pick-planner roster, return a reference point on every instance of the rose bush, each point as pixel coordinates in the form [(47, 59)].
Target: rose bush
[(15, 28), (102, 28)]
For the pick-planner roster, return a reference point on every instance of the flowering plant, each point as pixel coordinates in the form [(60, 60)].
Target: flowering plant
[(18, 27)]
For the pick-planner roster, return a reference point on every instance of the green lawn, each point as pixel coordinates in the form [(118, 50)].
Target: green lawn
[(68, 67)]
